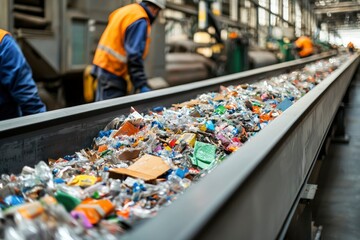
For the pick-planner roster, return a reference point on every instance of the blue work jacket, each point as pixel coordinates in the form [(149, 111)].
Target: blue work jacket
[(18, 91)]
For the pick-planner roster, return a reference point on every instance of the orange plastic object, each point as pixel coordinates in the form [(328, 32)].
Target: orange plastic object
[(256, 109), (95, 210), (311, 79), (233, 35), (127, 129), (232, 148), (48, 200), (102, 148), (229, 107), (265, 117), (123, 213), (234, 94), (31, 210)]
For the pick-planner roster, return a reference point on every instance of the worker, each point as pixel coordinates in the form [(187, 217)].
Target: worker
[(351, 47), (18, 91), (304, 46), (118, 63)]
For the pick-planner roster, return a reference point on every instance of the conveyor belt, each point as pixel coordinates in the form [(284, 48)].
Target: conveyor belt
[(248, 196)]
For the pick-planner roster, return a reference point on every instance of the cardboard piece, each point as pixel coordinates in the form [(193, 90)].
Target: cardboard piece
[(127, 129), (219, 98), (147, 168), (195, 113), (190, 103), (91, 155), (129, 154)]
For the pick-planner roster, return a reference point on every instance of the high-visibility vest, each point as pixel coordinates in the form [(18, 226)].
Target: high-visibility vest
[(350, 45), (306, 46), (110, 53), (3, 33)]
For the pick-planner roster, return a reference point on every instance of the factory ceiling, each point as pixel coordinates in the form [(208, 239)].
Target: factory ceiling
[(338, 14)]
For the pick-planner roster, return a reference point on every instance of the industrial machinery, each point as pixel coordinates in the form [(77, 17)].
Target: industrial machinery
[(211, 44), (253, 194)]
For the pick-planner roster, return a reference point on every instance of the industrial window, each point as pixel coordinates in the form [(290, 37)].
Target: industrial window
[(274, 8), (79, 42), (253, 16), (286, 10), (297, 19), (244, 14), (263, 15)]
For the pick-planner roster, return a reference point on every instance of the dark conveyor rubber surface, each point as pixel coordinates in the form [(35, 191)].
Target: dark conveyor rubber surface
[(338, 196)]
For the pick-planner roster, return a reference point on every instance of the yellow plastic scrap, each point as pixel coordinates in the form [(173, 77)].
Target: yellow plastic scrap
[(188, 138), (202, 127), (83, 181)]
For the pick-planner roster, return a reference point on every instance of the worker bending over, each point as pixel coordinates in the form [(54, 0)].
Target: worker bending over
[(304, 46), (119, 58), (18, 91)]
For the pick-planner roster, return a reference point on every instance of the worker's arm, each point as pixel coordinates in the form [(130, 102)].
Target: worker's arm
[(16, 77), (135, 41)]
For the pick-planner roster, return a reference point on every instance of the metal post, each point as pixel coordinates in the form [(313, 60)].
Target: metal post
[(301, 224)]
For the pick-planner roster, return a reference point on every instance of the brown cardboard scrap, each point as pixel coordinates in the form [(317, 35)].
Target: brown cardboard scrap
[(148, 168), (219, 97), (130, 154), (91, 155), (190, 103)]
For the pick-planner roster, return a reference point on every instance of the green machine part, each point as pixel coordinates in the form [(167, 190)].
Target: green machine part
[(286, 49), (322, 46), (237, 55)]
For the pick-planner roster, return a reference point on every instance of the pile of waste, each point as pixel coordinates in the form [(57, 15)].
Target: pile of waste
[(142, 162)]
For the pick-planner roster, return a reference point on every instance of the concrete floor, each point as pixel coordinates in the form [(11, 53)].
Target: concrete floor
[(338, 195)]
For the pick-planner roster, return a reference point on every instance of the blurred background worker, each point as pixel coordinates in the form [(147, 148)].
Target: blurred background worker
[(18, 91), (304, 46), (119, 58), (351, 47)]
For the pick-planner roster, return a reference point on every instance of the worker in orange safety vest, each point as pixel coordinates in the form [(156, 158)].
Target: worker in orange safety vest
[(351, 47), (118, 63), (304, 46)]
